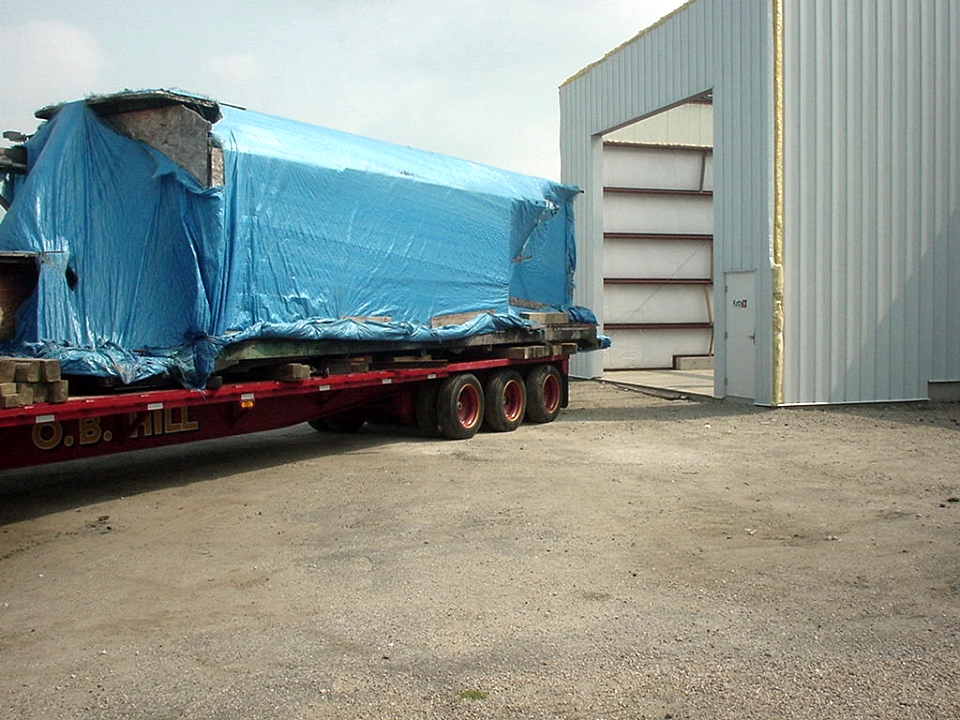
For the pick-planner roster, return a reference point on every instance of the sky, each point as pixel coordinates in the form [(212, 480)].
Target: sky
[(476, 80)]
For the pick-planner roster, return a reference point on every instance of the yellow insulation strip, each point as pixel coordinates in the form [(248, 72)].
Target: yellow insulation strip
[(777, 345)]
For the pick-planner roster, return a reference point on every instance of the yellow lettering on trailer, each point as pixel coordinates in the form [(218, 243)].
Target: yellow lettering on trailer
[(184, 424), (48, 435), (144, 427), (90, 431)]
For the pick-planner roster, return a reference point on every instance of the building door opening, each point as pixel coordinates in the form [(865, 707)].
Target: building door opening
[(658, 240)]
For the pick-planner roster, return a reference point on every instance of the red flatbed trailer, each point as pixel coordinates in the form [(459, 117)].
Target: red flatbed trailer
[(445, 398), (421, 241)]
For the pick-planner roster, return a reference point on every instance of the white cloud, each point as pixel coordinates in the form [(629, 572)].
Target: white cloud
[(476, 80), (238, 71), (45, 61)]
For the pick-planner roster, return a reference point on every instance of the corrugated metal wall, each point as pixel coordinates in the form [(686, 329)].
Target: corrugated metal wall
[(871, 179), (743, 167), (723, 45), (872, 198)]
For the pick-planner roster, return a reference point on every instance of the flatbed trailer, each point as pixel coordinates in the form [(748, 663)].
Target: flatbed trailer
[(496, 386), (256, 272)]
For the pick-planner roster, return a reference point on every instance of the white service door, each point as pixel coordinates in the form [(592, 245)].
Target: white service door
[(740, 339)]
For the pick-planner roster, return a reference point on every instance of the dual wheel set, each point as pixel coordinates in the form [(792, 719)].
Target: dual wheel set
[(459, 405)]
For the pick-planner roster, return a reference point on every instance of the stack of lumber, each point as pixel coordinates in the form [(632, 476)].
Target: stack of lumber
[(29, 381)]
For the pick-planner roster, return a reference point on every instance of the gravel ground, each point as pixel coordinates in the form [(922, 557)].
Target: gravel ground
[(637, 558)]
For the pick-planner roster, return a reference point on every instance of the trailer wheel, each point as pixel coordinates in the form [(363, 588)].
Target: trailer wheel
[(544, 394), (345, 422), (460, 406), (505, 401), (426, 408)]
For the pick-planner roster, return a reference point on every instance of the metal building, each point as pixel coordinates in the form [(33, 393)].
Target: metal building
[(835, 188)]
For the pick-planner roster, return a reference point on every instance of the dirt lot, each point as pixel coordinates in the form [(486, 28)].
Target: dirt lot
[(638, 558)]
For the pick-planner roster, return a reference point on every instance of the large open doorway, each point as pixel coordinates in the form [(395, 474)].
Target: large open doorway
[(658, 240)]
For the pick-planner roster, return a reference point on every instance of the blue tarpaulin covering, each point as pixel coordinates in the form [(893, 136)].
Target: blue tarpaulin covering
[(145, 271)]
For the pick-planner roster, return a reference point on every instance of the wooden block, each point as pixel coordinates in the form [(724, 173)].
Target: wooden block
[(345, 366), (8, 369), (563, 348), (291, 372), (49, 370), (9, 401), (40, 392), (546, 318), (456, 318), (27, 371), (412, 361), (26, 393), (58, 392), (526, 352)]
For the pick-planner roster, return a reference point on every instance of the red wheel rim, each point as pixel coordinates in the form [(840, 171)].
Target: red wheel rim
[(551, 393), (468, 406), (512, 400)]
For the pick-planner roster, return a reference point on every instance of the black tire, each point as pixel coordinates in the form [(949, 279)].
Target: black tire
[(346, 422), (505, 401), (426, 406), (460, 406), (544, 394)]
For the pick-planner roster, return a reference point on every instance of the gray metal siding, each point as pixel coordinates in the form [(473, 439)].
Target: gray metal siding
[(872, 233), (743, 161), (871, 179)]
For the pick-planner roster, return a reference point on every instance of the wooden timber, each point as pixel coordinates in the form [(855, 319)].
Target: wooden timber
[(565, 339), (27, 381)]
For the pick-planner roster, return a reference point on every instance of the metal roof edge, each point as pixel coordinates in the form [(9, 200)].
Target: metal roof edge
[(621, 46)]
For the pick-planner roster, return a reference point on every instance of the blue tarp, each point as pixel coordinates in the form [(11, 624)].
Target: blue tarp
[(143, 271)]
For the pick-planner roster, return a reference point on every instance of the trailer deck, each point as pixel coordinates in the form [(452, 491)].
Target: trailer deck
[(490, 380)]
